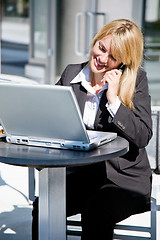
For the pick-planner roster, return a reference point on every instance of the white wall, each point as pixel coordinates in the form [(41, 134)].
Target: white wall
[(115, 9)]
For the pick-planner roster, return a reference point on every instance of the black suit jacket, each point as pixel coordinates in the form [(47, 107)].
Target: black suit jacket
[(131, 171)]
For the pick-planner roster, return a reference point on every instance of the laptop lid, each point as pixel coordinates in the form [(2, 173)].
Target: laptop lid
[(45, 115), (41, 111)]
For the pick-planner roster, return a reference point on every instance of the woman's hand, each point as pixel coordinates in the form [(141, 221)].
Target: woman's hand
[(112, 78)]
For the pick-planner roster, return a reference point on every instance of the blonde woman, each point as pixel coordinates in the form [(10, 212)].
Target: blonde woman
[(112, 92)]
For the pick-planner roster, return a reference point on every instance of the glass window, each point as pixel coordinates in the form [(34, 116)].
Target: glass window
[(38, 29), (152, 47), (14, 36), (16, 8)]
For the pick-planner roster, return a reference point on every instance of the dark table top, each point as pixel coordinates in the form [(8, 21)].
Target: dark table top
[(39, 157)]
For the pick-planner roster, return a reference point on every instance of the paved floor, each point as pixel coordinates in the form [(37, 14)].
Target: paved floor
[(15, 209)]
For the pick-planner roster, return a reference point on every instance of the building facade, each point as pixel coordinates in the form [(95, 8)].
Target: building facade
[(53, 33)]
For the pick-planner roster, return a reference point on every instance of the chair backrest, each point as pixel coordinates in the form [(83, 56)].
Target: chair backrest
[(154, 144)]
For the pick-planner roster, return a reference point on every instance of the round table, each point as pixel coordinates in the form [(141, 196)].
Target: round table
[(52, 177)]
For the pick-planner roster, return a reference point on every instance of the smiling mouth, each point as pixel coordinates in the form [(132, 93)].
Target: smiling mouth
[(98, 64)]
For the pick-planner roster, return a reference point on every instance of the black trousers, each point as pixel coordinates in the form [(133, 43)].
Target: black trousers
[(101, 203)]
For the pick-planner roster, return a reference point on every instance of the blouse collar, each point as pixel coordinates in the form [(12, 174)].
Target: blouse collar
[(83, 77)]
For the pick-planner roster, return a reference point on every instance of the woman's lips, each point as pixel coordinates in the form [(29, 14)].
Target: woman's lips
[(99, 65)]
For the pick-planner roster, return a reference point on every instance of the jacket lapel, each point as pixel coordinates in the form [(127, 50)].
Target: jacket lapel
[(102, 113), (81, 95)]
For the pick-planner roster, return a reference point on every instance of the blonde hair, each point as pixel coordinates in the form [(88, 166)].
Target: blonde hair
[(126, 47)]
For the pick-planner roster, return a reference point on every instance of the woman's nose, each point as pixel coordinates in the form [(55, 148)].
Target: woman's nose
[(104, 58)]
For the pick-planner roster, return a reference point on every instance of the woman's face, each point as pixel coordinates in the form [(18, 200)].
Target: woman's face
[(101, 58)]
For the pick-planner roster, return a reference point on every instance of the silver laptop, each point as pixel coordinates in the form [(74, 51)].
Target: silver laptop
[(46, 116)]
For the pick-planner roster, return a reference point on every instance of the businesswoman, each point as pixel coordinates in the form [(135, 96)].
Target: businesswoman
[(112, 92)]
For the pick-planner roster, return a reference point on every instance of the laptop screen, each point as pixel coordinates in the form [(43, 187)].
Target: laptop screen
[(43, 111)]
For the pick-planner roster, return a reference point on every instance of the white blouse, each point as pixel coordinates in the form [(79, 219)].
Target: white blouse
[(93, 99)]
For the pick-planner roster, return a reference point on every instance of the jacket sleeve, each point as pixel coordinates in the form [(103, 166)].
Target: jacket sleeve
[(136, 125)]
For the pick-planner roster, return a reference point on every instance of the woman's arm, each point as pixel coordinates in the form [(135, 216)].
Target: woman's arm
[(136, 125)]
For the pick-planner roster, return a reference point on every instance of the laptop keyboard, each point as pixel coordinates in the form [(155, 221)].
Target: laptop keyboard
[(92, 137)]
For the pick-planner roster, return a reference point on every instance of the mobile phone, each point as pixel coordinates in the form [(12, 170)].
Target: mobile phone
[(121, 67)]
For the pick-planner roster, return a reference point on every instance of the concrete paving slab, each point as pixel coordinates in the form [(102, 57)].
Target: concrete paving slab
[(16, 209)]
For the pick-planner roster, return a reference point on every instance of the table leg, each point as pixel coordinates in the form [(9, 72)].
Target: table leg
[(52, 204)]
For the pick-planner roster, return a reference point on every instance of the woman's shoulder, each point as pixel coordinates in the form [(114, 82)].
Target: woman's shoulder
[(73, 69), (70, 73), (142, 79), (141, 72)]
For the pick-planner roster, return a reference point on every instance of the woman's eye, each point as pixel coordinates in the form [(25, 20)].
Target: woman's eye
[(111, 56), (102, 48)]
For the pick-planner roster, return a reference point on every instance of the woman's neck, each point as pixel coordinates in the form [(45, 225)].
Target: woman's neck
[(96, 82)]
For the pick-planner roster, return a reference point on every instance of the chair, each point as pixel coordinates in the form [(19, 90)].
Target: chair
[(127, 230), (154, 144)]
